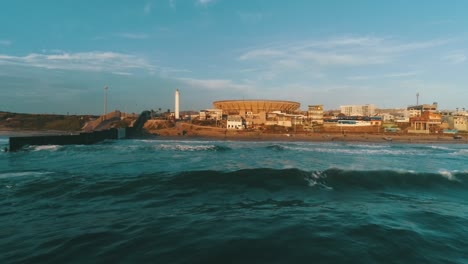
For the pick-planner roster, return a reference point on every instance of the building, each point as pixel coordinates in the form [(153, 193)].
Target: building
[(358, 110), (417, 110), (359, 121), (235, 122), (455, 122), (315, 114), (460, 123), (387, 117), (211, 114), (255, 112), (282, 119), (428, 122)]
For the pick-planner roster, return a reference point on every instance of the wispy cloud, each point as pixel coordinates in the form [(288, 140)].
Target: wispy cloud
[(205, 2), (456, 57), (4, 42), (262, 53), (215, 84), (133, 35), (384, 76), (251, 17), (172, 4), (82, 61), (148, 8), (340, 51)]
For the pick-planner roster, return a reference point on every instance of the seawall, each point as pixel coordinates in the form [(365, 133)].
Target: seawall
[(16, 143)]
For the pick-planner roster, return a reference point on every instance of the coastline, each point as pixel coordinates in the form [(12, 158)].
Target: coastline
[(309, 137), (175, 134)]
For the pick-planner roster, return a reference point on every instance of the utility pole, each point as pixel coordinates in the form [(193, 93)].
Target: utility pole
[(105, 100)]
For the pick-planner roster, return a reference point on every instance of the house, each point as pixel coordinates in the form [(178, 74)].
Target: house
[(211, 114), (235, 122), (428, 122)]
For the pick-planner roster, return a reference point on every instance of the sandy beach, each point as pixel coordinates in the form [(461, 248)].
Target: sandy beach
[(209, 133), (244, 135)]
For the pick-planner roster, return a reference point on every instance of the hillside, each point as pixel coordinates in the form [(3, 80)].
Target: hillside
[(38, 122)]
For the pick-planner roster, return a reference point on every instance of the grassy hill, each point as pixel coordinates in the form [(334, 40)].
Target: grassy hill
[(19, 121)]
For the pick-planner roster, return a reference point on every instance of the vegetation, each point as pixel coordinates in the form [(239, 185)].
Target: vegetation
[(17, 121)]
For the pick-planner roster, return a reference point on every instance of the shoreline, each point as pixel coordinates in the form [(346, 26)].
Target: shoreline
[(316, 137), (256, 136)]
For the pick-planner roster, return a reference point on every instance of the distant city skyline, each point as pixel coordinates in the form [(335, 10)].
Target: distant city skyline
[(57, 56)]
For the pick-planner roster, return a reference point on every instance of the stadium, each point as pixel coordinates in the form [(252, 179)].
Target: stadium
[(255, 111)]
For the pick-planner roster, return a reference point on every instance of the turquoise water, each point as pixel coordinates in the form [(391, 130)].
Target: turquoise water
[(187, 201)]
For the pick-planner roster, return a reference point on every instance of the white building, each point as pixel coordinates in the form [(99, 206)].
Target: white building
[(387, 117), (235, 122), (358, 110)]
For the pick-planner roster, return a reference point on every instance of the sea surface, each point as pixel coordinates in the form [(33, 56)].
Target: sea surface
[(188, 201)]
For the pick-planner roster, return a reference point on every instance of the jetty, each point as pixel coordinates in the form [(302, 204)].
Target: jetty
[(83, 138)]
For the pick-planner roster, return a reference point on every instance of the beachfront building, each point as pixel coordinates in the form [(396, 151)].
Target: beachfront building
[(386, 117), (460, 123), (211, 114), (358, 110), (235, 122), (315, 114), (359, 121), (277, 118), (418, 110), (428, 122), (455, 122)]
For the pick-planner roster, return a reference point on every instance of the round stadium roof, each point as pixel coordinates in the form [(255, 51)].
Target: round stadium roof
[(256, 106)]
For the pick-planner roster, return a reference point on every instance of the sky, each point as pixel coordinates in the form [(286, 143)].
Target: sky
[(57, 56)]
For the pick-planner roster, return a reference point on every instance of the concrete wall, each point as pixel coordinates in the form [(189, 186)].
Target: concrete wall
[(17, 143)]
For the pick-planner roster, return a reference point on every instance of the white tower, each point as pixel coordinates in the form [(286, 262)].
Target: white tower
[(176, 112)]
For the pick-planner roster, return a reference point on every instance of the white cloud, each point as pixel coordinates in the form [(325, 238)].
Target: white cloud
[(205, 2), (345, 51), (412, 46), (331, 58), (172, 4), (215, 84), (456, 57), (388, 75), (4, 42), (133, 35), (251, 17), (123, 73), (82, 61), (148, 8), (262, 53)]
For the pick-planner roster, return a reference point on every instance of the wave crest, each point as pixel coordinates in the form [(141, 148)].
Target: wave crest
[(331, 179)]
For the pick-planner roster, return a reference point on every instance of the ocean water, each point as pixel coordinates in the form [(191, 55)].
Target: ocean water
[(188, 201)]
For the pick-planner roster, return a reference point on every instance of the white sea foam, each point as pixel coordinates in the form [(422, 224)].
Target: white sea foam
[(46, 148), (461, 152), (315, 178), (23, 174), (448, 175), (179, 147), (440, 148), (359, 151)]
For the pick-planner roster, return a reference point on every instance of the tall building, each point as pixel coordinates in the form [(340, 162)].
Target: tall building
[(315, 113), (176, 112), (358, 110)]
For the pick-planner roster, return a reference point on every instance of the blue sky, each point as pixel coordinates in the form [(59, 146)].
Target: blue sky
[(56, 56)]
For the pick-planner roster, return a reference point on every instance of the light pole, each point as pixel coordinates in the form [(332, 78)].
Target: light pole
[(105, 101)]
